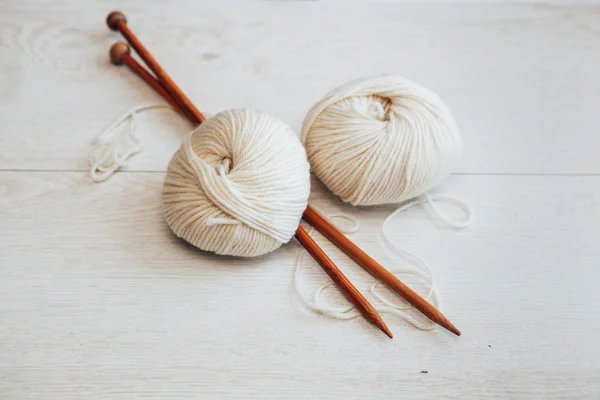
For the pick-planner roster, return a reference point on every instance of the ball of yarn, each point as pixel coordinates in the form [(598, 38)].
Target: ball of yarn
[(380, 140), (238, 185)]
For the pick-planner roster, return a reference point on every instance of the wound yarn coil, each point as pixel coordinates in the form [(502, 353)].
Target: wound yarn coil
[(381, 140), (238, 184)]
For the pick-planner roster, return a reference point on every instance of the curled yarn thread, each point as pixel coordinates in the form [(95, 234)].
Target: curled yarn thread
[(112, 149), (419, 268), (381, 140)]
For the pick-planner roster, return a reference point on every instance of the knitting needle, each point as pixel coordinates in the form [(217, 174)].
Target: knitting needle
[(119, 55), (117, 22), (340, 240)]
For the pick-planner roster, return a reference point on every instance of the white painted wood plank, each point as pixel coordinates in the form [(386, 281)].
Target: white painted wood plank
[(98, 300), (522, 80)]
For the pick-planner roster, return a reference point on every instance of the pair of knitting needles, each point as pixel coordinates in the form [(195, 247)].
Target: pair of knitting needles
[(167, 89)]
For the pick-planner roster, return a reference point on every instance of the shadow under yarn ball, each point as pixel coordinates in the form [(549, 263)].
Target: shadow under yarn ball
[(238, 184), (381, 140)]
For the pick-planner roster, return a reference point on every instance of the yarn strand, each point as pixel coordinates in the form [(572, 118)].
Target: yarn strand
[(112, 149)]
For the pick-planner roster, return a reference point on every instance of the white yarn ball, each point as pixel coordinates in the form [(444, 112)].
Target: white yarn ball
[(238, 185), (381, 140)]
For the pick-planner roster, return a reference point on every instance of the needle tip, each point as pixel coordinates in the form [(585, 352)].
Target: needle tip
[(452, 329), (381, 325)]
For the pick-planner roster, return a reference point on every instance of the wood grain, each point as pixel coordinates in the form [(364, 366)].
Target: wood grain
[(99, 300), (522, 80)]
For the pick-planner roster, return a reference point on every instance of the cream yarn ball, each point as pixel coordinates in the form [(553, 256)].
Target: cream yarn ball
[(381, 140), (238, 185)]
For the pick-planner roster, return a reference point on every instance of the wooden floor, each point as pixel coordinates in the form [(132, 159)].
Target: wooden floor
[(99, 300)]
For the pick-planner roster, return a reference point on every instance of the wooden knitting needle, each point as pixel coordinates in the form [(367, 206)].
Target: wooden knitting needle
[(117, 22), (119, 55), (352, 250)]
